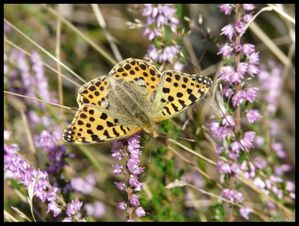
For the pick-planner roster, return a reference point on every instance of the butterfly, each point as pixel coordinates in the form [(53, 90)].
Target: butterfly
[(134, 96)]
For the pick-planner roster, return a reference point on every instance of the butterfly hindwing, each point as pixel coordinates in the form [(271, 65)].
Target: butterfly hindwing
[(92, 125), (177, 91)]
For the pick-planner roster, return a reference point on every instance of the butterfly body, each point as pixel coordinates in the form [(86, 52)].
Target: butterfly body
[(134, 96)]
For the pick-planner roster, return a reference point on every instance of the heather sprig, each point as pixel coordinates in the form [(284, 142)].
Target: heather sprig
[(127, 155), (161, 30), (37, 182), (241, 64), (235, 141)]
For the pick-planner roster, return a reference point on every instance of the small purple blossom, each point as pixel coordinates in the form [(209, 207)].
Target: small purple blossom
[(248, 7), (225, 50), (253, 116), (228, 31), (47, 140), (140, 212), (134, 182), (232, 195), (226, 8), (84, 185), (73, 208), (278, 149), (254, 58), (134, 200), (242, 68), (239, 26), (248, 49), (117, 169), (96, 209), (223, 167), (259, 183), (245, 211), (122, 205), (260, 162), (120, 186), (247, 140), (247, 17)]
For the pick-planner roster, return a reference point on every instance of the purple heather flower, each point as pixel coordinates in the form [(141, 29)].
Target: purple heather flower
[(253, 116), (227, 92), (279, 170), (247, 140), (273, 127), (225, 50), (226, 73), (54, 208), (96, 209), (228, 31), (219, 132), (117, 169), (193, 177), (223, 167), (122, 205), (242, 68), (47, 140), (140, 212), (178, 66), (271, 86), (235, 168), (248, 7), (247, 17), (290, 186), (134, 200), (259, 183), (239, 26), (73, 208), (259, 141), (120, 186), (248, 168), (251, 94), (226, 8), (232, 195), (252, 70), (254, 58), (277, 192), (228, 121), (238, 98), (271, 205), (248, 49), (84, 185), (219, 150), (169, 53), (234, 152), (278, 148), (260, 162), (245, 211), (133, 181)]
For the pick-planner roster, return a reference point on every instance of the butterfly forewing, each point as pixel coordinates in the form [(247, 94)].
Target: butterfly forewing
[(135, 70), (91, 125)]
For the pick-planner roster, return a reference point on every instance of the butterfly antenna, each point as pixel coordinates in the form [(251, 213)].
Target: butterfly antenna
[(164, 135), (40, 100)]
